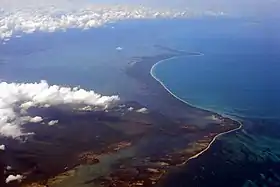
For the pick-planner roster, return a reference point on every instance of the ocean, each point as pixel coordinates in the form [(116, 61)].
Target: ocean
[(233, 83), (238, 75)]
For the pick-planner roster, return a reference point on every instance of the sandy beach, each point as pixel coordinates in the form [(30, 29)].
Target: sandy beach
[(187, 103), (136, 143)]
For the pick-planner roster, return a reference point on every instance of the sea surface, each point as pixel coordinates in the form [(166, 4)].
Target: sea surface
[(238, 75), (232, 82)]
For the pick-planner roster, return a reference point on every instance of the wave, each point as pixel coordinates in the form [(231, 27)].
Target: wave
[(235, 118)]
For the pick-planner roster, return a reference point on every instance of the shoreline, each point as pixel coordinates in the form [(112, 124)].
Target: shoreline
[(166, 129), (213, 141), (178, 98), (197, 107)]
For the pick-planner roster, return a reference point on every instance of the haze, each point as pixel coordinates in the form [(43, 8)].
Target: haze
[(237, 7), (256, 8)]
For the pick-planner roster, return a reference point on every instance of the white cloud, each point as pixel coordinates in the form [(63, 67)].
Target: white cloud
[(36, 119), (2, 147), (130, 109), (52, 122), (16, 97), (29, 16), (11, 178), (142, 110), (50, 17), (119, 48)]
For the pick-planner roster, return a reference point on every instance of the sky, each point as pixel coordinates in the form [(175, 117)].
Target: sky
[(28, 16), (17, 17), (236, 7)]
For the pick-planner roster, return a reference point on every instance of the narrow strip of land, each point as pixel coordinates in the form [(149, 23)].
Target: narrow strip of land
[(167, 89)]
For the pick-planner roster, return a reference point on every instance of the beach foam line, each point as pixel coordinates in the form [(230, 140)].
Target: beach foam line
[(192, 105), (218, 135), (213, 140)]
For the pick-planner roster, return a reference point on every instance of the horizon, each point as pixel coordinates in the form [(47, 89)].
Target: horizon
[(254, 8)]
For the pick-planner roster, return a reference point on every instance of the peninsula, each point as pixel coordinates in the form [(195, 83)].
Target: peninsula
[(134, 143)]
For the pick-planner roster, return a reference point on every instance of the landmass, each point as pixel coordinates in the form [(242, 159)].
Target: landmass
[(131, 144)]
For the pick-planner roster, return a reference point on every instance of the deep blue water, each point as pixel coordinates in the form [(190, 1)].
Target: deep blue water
[(233, 83), (238, 74)]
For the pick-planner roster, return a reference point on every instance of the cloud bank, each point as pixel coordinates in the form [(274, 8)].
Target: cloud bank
[(18, 17), (12, 178), (15, 99), (50, 19), (52, 122), (142, 110), (36, 119)]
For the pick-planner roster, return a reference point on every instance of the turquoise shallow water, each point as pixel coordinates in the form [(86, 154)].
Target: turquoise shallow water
[(241, 84), (238, 75)]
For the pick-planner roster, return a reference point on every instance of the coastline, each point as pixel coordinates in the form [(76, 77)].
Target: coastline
[(178, 98), (198, 107), (160, 149), (213, 141)]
